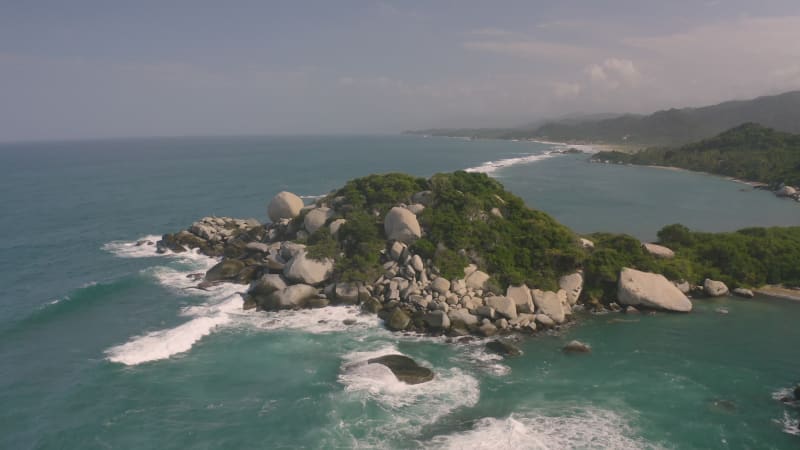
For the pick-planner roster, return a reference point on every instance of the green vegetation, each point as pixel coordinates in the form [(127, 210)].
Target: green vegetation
[(749, 152), (473, 219)]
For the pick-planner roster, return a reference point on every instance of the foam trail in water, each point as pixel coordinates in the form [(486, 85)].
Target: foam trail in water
[(586, 429), (490, 167), (144, 247)]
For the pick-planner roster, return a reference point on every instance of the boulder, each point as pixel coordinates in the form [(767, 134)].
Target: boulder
[(502, 347), (683, 286), (659, 251), (577, 347), (397, 250), (486, 311), (398, 320), (316, 218), (462, 318), (742, 292), (416, 208), (416, 263), (335, 225), (346, 293), (786, 191), (294, 296), (303, 269), (651, 290), (521, 296), (503, 306), (404, 368), (587, 244), (572, 284), (551, 304), (258, 247), (714, 288), (440, 285), (284, 205), (477, 280), (488, 329), (401, 225), (437, 320), (226, 269), (544, 320), (267, 284)]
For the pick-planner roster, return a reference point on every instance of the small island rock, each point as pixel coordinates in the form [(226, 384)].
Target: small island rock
[(404, 368)]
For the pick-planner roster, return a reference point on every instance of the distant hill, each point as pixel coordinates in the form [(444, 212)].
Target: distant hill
[(681, 126), (667, 127), (748, 152)]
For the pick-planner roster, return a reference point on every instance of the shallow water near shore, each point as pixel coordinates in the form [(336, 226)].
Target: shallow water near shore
[(103, 346)]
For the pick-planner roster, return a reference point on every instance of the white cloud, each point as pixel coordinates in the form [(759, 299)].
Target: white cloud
[(533, 49), (614, 73), (566, 90)]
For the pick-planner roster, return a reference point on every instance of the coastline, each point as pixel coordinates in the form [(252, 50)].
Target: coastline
[(778, 291)]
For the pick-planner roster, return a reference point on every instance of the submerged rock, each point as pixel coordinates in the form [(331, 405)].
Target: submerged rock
[(502, 347), (577, 347), (652, 290), (404, 368)]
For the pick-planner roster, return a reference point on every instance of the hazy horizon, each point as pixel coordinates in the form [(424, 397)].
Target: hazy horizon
[(93, 70)]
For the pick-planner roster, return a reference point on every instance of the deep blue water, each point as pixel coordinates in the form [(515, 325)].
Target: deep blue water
[(74, 290)]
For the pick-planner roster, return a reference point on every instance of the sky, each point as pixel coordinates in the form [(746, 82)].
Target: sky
[(111, 68)]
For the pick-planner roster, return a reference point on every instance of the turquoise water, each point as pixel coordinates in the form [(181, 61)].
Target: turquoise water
[(193, 371)]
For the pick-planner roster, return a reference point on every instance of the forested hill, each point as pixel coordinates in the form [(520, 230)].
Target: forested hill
[(748, 152), (668, 127), (681, 126)]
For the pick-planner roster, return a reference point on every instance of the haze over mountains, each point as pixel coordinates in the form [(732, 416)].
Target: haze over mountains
[(666, 127)]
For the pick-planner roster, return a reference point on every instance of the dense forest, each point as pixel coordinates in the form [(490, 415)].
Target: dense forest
[(748, 152)]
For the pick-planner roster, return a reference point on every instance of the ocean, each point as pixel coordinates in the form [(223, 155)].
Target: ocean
[(104, 344)]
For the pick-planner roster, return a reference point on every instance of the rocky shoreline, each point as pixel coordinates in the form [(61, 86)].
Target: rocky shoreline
[(410, 294)]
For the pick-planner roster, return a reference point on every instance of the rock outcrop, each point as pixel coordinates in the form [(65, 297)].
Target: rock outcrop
[(572, 284), (284, 205), (551, 304), (714, 288), (316, 218), (303, 269), (651, 290), (401, 225), (659, 251), (404, 368)]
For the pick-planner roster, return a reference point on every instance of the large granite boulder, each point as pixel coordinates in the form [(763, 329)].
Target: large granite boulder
[(651, 290), (226, 270), (404, 368), (423, 197), (659, 251), (572, 284), (401, 225), (742, 292), (303, 269), (346, 293), (316, 218), (284, 205), (521, 296), (714, 288), (551, 304), (503, 306), (335, 225), (462, 318), (477, 280), (295, 296)]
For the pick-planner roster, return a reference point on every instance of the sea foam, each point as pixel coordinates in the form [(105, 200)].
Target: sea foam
[(587, 428), (410, 407), (490, 167), (222, 309)]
